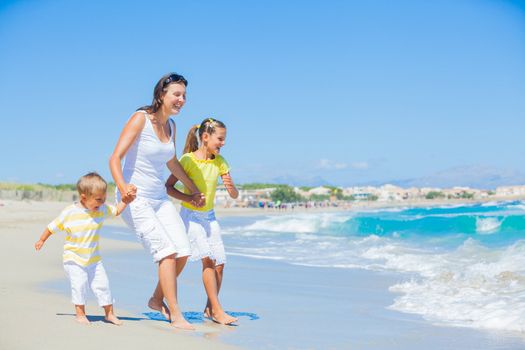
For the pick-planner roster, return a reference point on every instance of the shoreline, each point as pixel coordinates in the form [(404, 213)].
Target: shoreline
[(48, 205)]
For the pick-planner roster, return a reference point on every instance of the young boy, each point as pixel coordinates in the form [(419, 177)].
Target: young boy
[(82, 262)]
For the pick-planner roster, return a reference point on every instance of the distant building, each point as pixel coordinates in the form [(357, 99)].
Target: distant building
[(510, 191), (319, 191), (247, 198)]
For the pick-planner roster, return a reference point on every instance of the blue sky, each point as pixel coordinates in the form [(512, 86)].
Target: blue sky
[(345, 92)]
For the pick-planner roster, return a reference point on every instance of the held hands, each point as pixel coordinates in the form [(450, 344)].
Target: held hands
[(129, 194), (197, 199)]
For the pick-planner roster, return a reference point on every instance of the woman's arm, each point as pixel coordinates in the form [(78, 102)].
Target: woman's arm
[(175, 193), (196, 199), (128, 135), (230, 186)]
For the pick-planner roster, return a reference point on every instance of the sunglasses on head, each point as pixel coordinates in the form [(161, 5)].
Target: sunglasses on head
[(174, 78)]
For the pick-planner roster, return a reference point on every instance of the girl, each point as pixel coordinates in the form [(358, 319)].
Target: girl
[(148, 143), (203, 164)]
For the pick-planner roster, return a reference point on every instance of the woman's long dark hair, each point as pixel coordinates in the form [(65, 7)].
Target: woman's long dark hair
[(160, 89)]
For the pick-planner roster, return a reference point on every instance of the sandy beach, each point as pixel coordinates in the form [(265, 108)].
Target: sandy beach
[(33, 317)]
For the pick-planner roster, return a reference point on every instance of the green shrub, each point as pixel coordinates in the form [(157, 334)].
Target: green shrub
[(434, 195), (286, 194)]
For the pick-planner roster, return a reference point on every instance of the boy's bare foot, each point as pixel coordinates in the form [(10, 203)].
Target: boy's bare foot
[(223, 318), (82, 319), (159, 306), (207, 312), (113, 319)]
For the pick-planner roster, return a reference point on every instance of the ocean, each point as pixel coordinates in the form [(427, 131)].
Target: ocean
[(464, 265)]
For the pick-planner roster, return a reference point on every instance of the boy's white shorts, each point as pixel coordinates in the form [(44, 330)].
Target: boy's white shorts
[(204, 234), (158, 226), (94, 276)]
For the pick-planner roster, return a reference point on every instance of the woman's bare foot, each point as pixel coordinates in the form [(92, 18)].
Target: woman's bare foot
[(113, 319), (223, 318), (82, 319), (159, 306)]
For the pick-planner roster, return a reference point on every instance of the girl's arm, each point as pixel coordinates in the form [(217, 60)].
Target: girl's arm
[(45, 235), (230, 186), (194, 199), (126, 139)]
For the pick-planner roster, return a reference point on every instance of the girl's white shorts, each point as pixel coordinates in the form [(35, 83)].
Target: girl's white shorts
[(204, 234)]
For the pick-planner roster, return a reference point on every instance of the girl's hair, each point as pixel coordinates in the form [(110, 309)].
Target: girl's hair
[(208, 125), (160, 88)]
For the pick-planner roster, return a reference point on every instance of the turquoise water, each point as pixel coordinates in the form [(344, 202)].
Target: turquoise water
[(493, 224), (464, 265)]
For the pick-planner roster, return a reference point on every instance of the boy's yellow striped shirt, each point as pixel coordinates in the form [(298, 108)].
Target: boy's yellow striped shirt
[(82, 232)]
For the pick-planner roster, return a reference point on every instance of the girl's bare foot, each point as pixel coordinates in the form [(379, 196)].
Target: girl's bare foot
[(223, 318), (207, 312), (113, 319), (159, 306), (180, 322), (82, 319)]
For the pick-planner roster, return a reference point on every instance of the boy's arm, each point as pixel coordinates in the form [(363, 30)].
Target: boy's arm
[(230, 186), (120, 208), (194, 199), (45, 235)]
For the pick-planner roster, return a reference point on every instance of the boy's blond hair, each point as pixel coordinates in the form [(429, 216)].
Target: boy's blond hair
[(91, 183)]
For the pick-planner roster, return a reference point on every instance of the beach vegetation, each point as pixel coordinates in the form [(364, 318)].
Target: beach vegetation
[(59, 187), (286, 194), (372, 197), (38, 187), (466, 195), (434, 195)]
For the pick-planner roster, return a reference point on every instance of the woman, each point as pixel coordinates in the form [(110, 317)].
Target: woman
[(148, 144)]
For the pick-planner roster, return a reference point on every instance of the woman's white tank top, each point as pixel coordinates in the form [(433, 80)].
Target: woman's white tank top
[(145, 162)]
